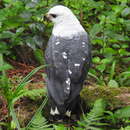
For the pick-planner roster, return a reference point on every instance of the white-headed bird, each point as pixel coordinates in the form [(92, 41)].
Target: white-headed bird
[(68, 55)]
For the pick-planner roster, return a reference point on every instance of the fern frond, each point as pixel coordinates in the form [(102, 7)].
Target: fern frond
[(30, 93), (38, 122), (93, 119), (26, 79)]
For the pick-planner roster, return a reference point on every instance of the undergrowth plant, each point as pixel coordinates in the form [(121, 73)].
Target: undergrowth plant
[(107, 22), (38, 122), (93, 119), (99, 118), (21, 22), (108, 25), (11, 95)]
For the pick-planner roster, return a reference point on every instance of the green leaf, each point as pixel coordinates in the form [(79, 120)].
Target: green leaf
[(116, 46), (31, 43), (38, 41), (4, 48), (109, 51), (95, 30), (32, 94), (125, 12), (37, 27), (122, 1), (123, 113), (38, 122), (121, 37), (117, 8), (127, 24), (123, 52), (30, 5), (25, 80), (20, 30), (92, 119), (5, 67), (123, 77), (126, 60), (39, 55), (96, 59), (26, 15), (126, 73), (6, 34), (94, 76), (113, 84), (101, 67), (112, 72), (98, 108), (126, 128), (8, 1), (60, 127), (106, 60)]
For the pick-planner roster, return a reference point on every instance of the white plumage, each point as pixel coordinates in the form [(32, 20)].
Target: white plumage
[(65, 24)]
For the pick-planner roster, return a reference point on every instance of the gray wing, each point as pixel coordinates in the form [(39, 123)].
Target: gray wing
[(69, 61)]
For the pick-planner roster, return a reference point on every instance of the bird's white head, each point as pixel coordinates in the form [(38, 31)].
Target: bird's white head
[(59, 14), (65, 22)]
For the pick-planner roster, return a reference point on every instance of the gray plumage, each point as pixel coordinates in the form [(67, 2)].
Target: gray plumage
[(74, 66)]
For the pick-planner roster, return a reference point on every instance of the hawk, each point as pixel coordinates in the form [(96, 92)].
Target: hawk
[(68, 55)]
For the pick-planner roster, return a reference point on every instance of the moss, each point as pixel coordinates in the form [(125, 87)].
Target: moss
[(113, 96)]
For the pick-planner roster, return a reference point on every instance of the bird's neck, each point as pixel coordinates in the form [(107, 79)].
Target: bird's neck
[(67, 29)]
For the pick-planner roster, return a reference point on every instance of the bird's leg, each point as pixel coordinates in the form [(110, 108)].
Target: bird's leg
[(55, 115)]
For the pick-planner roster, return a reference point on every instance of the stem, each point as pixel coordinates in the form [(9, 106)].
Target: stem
[(47, 2), (14, 117)]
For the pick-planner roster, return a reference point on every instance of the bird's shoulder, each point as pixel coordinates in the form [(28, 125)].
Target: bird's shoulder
[(83, 36)]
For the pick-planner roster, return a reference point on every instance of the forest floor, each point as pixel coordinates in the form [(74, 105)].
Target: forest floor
[(26, 107)]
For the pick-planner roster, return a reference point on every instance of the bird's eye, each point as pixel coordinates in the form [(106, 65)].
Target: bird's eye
[(54, 15)]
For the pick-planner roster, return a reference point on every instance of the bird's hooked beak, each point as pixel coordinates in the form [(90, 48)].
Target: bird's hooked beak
[(47, 17)]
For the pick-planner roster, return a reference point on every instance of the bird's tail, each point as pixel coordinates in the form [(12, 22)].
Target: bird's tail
[(63, 112)]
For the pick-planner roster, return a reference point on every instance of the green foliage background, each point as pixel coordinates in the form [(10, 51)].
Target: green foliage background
[(22, 28)]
